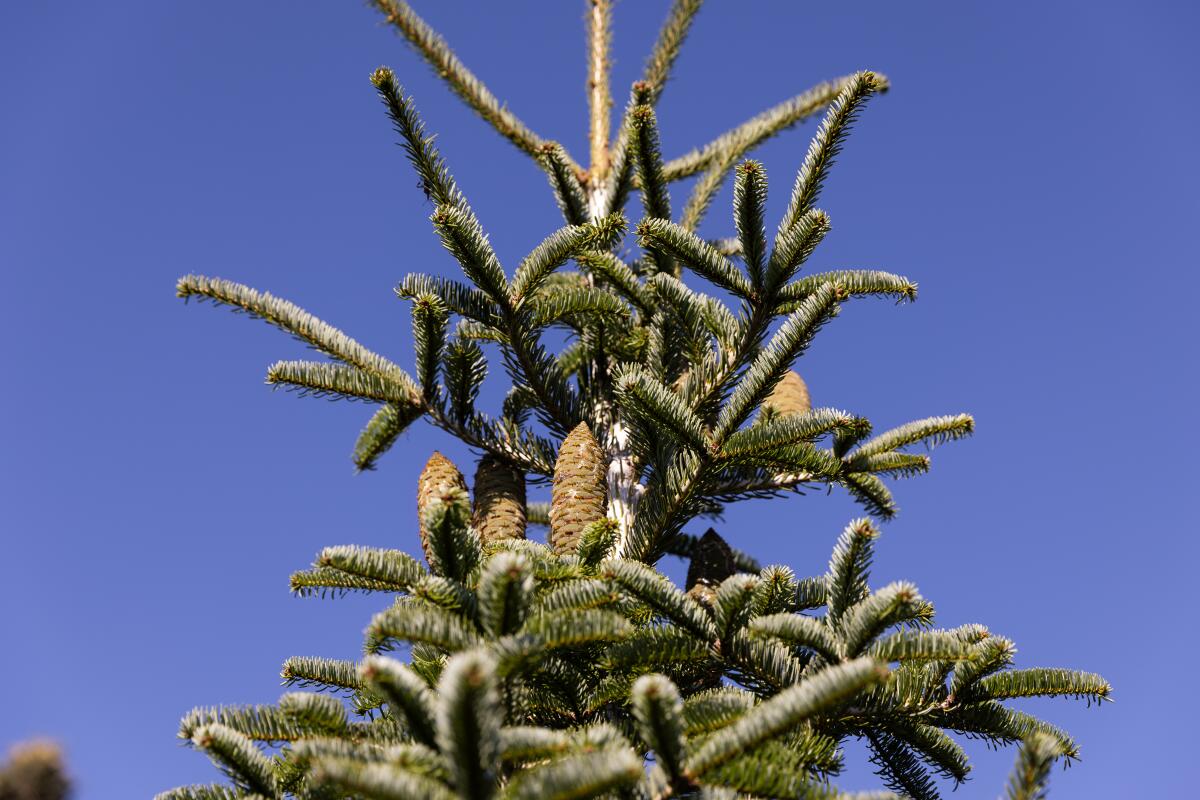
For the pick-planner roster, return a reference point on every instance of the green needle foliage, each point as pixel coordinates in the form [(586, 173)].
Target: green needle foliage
[(506, 668)]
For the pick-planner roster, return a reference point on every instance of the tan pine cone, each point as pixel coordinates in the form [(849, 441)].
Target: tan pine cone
[(34, 772), (790, 396), (499, 509), (439, 476), (579, 495)]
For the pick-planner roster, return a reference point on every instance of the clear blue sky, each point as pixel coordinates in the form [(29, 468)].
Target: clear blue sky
[(1034, 168)]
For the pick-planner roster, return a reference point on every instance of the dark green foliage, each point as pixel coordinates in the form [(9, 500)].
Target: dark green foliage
[(581, 671), (525, 660)]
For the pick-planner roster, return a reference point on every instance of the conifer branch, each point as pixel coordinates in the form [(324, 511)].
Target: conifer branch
[(529, 743), (451, 547), (749, 209), (610, 197), (1040, 682), (731, 607), (376, 780), (666, 48), (768, 435), (505, 590), (679, 243), (407, 695), (429, 320), (768, 367), (437, 53), (900, 465), (568, 191), (466, 301), (462, 236), (845, 582), (871, 492), (394, 567), (426, 624), (921, 646), (999, 724), (531, 453), (322, 582), (294, 320), (647, 153), (658, 709), (469, 717), (796, 630), (1031, 773), (648, 586), (656, 647), (900, 768), (619, 277), (381, 432), (238, 757), (208, 792), (932, 431), (463, 370), (822, 692), (825, 147), (318, 713), (760, 665), (793, 248), (321, 674), (876, 613), (436, 180), (261, 723), (654, 406), (770, 772), (697, 312), (991, 654), (558, 248), (854, 282), (754, 131), (937, 750), (590, 774), (728, 246), (713, 709), (337, 381)]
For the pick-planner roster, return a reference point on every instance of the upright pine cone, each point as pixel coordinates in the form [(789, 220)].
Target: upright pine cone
[(580, 492), (439, 476), (34, 772), (790, 396), (711, 563), (499, 509)]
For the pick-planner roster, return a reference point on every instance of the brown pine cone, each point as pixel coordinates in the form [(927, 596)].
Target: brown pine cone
[(439, 477), (790, 396), (711, 563), (34, 772), (579, 495), (499, 509)]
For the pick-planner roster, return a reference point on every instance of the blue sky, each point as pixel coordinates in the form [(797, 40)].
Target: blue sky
[(1033, 168)]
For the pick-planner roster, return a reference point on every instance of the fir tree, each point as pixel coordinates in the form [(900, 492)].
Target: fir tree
[(576, 669)]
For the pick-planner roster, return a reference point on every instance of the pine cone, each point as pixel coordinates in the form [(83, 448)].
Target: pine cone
[(580, 492), (711, 563), (439, 476), (499, 511), (34, 772), (790, 396)]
